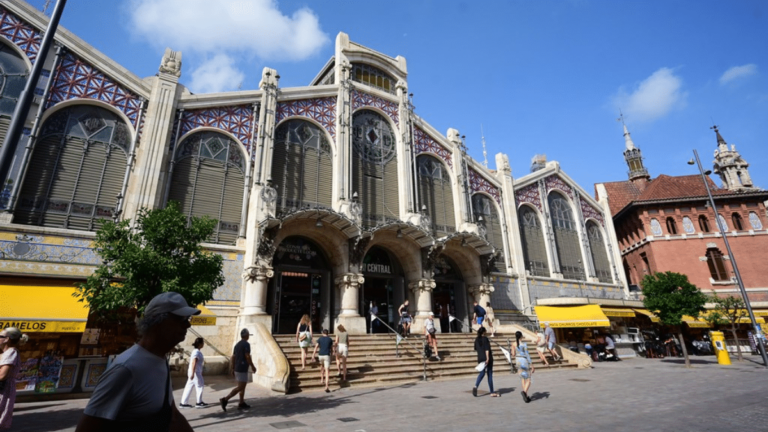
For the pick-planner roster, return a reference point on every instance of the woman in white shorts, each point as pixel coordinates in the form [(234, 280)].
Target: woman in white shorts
[(304, 338), (541, 347), (342, 350)]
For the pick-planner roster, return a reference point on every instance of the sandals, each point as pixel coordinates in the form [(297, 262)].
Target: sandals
[(495, 395)]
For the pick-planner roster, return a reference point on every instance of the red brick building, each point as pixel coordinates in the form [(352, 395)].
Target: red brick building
[(666, 224)]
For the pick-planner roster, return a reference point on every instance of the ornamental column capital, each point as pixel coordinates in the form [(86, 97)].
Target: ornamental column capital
[(258, 273), (422, 285), (481, 289), (351, 280)]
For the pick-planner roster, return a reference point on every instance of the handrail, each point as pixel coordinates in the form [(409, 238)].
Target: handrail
[(400, 339), (208, 343)]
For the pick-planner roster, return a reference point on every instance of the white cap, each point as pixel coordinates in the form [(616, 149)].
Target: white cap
[(431, 314)]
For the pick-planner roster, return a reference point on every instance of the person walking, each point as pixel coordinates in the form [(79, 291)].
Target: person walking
[(478, 316), (524, 365), (489, 318), (10, 339), (238, 364), (484, 355), (549, 334), (342, 350), (541, 346), (374, 313), (325, 345), (430, 333), (304, 338), (405, 318), (195, 376), (134, 393)]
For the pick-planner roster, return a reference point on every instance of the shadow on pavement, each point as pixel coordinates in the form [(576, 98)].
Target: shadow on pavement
[(505, 390), (682, 361), (34, 407), (268, 407), (539, 395), (51, 421)]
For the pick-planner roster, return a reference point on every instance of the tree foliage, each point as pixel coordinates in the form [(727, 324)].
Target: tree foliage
[(728, 311), (670, 296), (160, 253)]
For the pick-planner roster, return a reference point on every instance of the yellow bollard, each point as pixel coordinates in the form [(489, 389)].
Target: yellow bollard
[(718, 341)]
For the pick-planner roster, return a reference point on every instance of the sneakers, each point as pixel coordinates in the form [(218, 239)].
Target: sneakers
[(202, 405), (525, 397), (223, 402), (185, 405), (243, 405), (438, 358), (474, 391)]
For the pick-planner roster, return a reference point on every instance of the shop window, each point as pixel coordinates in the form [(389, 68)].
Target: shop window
[(738, 224), (567, 242), (703, 223), (671, 226), (716, 264), (532, 238), (436, 193), (208, 180)]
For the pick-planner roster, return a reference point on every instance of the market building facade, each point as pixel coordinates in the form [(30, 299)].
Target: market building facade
[(329, 197)]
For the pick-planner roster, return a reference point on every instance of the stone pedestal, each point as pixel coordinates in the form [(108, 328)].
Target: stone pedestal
[(422, 293), (353, 325), (256, 281), (348, 286)]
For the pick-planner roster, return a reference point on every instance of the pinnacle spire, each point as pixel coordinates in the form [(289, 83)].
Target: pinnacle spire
[(720, 139), (628, 139)]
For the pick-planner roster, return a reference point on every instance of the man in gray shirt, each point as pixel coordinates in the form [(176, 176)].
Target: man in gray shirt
[(549, 334), (135, 393)]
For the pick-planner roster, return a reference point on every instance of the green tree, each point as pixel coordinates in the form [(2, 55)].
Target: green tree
[(160, 252), (728, 310), (670, 296)]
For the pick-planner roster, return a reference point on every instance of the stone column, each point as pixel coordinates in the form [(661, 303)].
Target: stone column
[(254, 305), (349, 290), (481, 294), (422, 293)]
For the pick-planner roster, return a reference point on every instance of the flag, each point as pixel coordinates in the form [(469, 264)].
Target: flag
[(506, 354), (374, 317), (399, 338), (451, 318)]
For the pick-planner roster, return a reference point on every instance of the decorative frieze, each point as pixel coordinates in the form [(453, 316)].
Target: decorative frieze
[(322, 110), (237, 120), (23, 35), (529, 194), (478, 183), (425, 144), (362, 100)]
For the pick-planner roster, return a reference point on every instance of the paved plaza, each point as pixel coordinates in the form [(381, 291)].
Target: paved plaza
[(633, 395)]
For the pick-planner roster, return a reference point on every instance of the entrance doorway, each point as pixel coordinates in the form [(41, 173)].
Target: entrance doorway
[(448, 296), (383, 288), (300, 286)]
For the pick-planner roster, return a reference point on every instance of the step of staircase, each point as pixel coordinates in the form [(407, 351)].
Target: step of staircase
[(374, 361)]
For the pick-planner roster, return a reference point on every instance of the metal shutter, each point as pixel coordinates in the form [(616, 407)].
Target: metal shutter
[(325, 195), (34, 186), (532, 238), (5, 123), (599, 254), (390, 182), (495, 237), (232, 205), (183, 184), (310, 184), (60, 195)]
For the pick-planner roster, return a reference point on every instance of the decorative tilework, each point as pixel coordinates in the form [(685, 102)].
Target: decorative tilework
[(554, 182), (425, 143), (529, 194), (236, 120), (76, 79), (26, 37), (233, 282), (590, 212), (322, 110), (39, 248), (362, 100), (478, 183)]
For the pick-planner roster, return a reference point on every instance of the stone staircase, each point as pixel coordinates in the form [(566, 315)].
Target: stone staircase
[(372, 361)]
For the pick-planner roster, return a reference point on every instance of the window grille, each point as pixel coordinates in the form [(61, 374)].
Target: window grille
[(671, 226), (704, 223), (566, 237), (76, 170), (373, 77), (374, 167), (208, 180), (716, 264), (738, 224), (532, 236), (483, 206), (599, 254), (436, 193), (302, 166)]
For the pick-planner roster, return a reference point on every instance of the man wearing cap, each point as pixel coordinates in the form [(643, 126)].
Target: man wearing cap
[(239, 362), (135, 392), (430, 332)]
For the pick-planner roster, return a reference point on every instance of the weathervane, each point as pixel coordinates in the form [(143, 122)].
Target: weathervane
[(621, 118)]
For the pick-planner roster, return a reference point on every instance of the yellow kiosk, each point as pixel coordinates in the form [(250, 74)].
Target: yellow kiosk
[(718, 341)]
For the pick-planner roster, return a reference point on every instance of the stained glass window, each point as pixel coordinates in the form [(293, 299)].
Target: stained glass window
[(373, 77), (13, 77), (656, 227), (688, 227), (566, 237), (372, 137), (721, 221), (754, 221)]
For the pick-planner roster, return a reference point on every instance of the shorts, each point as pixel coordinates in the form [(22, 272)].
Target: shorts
[(525, 374), (406, 320), (343, 350), (480, 320), (551, 345), (325, 360), (541, 349), (241, 377)]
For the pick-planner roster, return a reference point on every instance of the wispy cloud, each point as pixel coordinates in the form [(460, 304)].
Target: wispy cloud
[(234, 28), (652, 98), (737, 72), (216, 74)]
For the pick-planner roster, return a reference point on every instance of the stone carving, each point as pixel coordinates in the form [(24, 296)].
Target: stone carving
[(349, 280), (258, 273), (171, 63), (422, 285), (505, 168), (488, 262), (267, 247), (429, 257), (357, 248)]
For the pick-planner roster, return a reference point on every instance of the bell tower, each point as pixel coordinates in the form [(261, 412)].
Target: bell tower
[(730, 166), (634, 158)]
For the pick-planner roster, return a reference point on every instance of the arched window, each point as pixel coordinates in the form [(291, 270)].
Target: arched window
[(302, 168), (374, 166), (76, 170), (13, 77), (656, 227), (566, 237), (716, 264), (599, 254), (208, 180), (721, 221), (436, 194), (484, 206), (704, 223), (671, 226), (373, 76), (532, 236), (754, 221), (688, 227), (738, 224)]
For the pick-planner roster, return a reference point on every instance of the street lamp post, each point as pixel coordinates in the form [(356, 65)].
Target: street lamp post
[(720, 226)]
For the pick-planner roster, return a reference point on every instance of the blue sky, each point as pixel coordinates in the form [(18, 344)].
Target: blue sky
[(540, 76)]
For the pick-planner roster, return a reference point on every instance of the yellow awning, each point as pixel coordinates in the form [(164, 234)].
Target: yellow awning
[(743, 320), (41, 307), (572, 316), (206, 317), (760, 312), (695, 322), (649, 314), (618, 312)]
